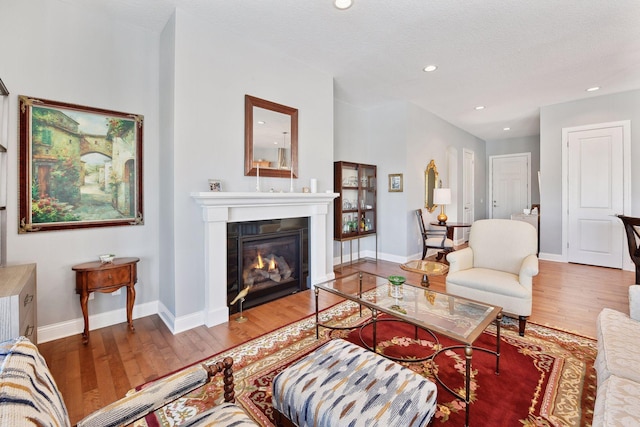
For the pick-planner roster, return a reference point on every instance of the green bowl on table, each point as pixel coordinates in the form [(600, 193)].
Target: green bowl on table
[(397, 280)]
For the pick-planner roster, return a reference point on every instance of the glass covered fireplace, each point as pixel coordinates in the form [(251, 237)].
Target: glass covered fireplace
[(270, 258)]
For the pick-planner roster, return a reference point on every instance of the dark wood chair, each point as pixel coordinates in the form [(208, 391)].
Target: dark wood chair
[(433, 239), (632, 227)]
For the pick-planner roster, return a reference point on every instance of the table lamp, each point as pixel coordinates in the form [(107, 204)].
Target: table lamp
[(441, 197)]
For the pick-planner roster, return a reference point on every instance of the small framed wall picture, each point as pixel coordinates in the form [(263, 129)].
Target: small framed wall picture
[(215, 185), (395, 182)]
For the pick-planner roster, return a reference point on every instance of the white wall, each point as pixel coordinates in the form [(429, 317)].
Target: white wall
[(75, 55), (400, 137), (55, 51), (389, 132), (212, 73), (431, 137), (600, 109)]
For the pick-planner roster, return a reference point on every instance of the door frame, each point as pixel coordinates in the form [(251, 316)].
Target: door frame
[(626, 182), (504, 156), (471, 173)]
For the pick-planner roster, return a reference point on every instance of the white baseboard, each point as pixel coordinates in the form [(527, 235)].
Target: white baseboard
[(551, 257), (182, 323), (76, 326)]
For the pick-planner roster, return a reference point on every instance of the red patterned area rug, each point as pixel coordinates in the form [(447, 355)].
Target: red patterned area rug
[(546, 378)]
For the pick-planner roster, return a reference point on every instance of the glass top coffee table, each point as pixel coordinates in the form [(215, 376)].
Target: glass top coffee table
[(458, 318)]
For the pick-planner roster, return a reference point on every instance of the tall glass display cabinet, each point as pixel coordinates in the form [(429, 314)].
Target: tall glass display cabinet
[(355, 209)]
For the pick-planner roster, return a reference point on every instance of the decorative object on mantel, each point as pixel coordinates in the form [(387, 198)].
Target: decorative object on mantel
[(54, 137), (215, 185), (441, 197)]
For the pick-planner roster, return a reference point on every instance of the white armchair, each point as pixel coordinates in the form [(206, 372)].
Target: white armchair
[(497, 267)]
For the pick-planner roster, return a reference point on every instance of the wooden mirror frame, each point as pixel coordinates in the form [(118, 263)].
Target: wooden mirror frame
[(431, 182), (249, 170)]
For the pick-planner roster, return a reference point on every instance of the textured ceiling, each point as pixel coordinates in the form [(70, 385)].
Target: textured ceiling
[(512, 56)]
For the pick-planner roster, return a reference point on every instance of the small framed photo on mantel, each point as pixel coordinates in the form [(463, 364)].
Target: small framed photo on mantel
[(215, 185), (395, 183)]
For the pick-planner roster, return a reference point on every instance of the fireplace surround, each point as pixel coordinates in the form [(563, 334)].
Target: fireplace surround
[(220, 208)]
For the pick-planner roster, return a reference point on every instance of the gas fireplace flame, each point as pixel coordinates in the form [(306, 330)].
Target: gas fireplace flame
[(260, 263)]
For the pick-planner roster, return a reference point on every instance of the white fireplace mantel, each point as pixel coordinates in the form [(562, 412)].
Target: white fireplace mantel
[(219, 208)]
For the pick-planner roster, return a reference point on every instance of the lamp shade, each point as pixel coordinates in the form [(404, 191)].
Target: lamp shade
[(442, 196)]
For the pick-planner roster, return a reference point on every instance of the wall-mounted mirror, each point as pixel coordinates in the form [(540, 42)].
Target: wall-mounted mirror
[(270, 138), (431, 182)]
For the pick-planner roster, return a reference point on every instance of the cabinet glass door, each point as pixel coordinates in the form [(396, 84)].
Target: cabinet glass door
[(367, 198), (349, 198)]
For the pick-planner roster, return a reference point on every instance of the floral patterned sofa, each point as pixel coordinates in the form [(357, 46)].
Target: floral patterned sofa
[(29, 395), (618, 365)]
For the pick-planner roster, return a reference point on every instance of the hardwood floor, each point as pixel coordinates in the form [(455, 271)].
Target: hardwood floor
[(566, 296)]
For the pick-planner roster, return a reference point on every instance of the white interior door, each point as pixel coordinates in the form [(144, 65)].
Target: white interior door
[(468, 170), (510, 184), (595, 194)]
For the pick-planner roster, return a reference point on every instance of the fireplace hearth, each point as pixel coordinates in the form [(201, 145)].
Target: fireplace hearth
[(270, 258)]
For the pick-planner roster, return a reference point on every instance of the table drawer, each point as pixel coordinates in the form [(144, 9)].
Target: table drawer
[(107, 278)]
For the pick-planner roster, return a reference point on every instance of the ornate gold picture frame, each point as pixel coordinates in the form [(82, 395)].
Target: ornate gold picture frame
[(79, 166)]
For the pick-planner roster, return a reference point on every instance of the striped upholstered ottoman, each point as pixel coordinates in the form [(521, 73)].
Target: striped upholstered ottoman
[(342, 384)]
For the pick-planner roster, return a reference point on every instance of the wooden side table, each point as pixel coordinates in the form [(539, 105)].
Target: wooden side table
[(451, 226), (426, 268), (106, 278)]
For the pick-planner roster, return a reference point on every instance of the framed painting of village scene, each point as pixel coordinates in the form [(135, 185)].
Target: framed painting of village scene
[(80, 166)]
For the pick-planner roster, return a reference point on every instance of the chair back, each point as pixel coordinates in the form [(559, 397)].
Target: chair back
[(632, 227), (421, 222), (502, 244)]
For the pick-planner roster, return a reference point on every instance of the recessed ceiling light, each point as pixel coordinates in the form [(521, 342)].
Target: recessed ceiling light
[(506, 128), (261, 122), (343, 4), (593, 89), (480, 107), (430, 68)]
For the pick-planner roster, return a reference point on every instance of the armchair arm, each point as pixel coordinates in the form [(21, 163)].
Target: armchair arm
[(460, 260), (634, 302), (528, 269), (148, 399)]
